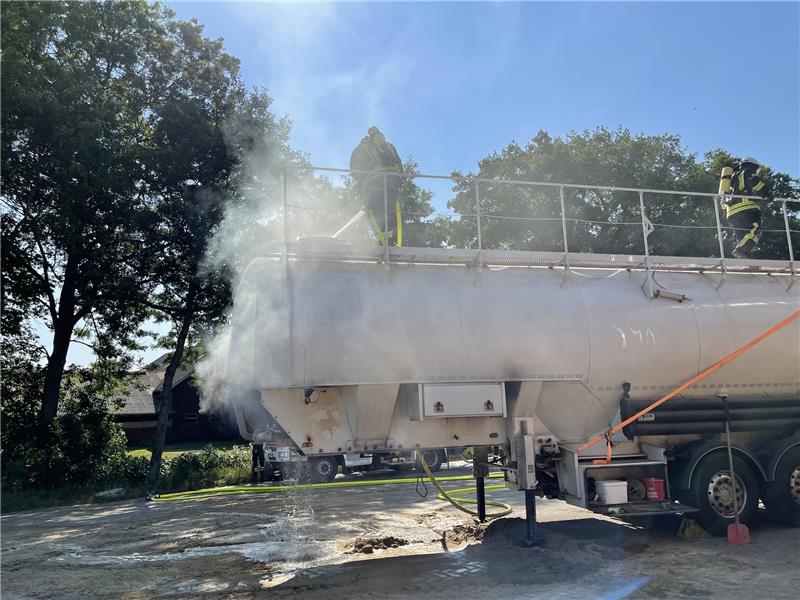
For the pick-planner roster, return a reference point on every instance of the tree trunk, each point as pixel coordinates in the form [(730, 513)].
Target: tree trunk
[(166, 391), (63, 325)]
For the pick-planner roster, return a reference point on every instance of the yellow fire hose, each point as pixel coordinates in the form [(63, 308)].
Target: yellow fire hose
[(261, 489), (454, 496)]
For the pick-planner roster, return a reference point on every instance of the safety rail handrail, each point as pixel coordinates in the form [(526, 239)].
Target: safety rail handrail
[(570, 219), (647, 226), (552, 184)]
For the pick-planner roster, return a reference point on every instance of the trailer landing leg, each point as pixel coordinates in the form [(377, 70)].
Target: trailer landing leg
[(480, 469), (480, 491), (532, 538)]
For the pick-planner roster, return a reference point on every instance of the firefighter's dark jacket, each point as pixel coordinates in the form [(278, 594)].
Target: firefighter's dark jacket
[(375, 155), (745, 181)]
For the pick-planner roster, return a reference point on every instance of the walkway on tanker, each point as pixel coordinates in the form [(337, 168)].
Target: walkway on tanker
[(479, 255)]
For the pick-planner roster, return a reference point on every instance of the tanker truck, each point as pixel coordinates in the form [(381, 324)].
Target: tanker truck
[(359, 348)]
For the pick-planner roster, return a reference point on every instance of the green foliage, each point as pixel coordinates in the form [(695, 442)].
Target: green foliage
[(420, 228), (81, 83), (87, 447), (528, 217), (20, 389), (209, 468), (77, 79)]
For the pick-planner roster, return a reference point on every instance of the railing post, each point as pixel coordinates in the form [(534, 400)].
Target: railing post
[(385, 222), (645, 233), (719, 237), (788, 237), (478, 214), (285, 213), (564, 227), (286, 266)]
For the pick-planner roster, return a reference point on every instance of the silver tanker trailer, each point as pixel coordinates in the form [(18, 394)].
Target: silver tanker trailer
[(371, 349)]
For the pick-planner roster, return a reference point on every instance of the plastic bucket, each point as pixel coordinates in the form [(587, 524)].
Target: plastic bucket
[(655, 488), (612, 492)]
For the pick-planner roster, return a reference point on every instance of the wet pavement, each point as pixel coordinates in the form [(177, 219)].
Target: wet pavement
[(374, 542)]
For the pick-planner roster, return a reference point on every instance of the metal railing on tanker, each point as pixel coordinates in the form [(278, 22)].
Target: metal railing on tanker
[(563, 224)]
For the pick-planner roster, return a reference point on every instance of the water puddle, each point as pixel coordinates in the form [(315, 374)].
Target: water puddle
[(285, 546)]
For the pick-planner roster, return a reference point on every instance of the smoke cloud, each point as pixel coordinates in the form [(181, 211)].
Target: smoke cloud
[(279, 199)]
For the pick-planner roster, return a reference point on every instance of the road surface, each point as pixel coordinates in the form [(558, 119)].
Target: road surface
[(373, 542)]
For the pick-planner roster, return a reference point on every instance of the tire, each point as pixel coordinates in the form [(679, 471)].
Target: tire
[(782, 495), (711, 493), (323, 469), (433, 458)]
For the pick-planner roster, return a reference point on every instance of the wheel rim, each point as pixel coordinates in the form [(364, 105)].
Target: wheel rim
[(720, 494), (429, 457), (324, 468), (794, 484)]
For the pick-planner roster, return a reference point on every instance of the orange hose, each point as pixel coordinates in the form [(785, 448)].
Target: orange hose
[(692, 381)]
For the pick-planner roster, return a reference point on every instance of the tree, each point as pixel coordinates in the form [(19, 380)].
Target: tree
[(529, 217), (420, 227), (77, 81), (208, 127)]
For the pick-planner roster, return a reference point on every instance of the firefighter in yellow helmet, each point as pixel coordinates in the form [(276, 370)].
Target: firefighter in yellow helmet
[(377, 159), (744, 214)]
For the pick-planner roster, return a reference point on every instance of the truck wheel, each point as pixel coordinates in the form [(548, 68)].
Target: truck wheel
[(433, 458), (323, 469), (712, 493), (782, 496)]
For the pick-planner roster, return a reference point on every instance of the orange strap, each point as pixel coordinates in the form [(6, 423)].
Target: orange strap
[(734, 355), (607, 459)]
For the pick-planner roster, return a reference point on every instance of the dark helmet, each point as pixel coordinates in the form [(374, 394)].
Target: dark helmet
[(749, 162)]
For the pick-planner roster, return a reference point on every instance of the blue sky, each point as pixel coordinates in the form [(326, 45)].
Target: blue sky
[(450, 82)]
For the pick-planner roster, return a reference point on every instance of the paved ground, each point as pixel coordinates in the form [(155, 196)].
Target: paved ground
[(316, 544)]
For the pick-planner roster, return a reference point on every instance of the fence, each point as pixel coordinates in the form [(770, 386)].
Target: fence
[(572, 219)]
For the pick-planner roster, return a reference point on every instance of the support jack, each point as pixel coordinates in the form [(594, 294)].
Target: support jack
[(532, 537), (480, 469)]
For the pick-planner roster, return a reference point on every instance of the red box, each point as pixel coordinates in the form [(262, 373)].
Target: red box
[(655, 488)]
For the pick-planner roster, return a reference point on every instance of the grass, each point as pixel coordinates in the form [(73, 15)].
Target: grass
[(173, 450)]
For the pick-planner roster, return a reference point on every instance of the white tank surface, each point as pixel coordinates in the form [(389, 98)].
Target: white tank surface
[(575, 339), (327, 324)]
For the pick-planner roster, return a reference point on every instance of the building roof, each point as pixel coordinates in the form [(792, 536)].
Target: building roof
[(143, 396)]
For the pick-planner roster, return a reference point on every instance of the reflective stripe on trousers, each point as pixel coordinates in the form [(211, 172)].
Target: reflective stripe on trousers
[(746, 204)]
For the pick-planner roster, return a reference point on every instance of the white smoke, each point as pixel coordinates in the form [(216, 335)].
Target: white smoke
[(278, 201), (295, 42)]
